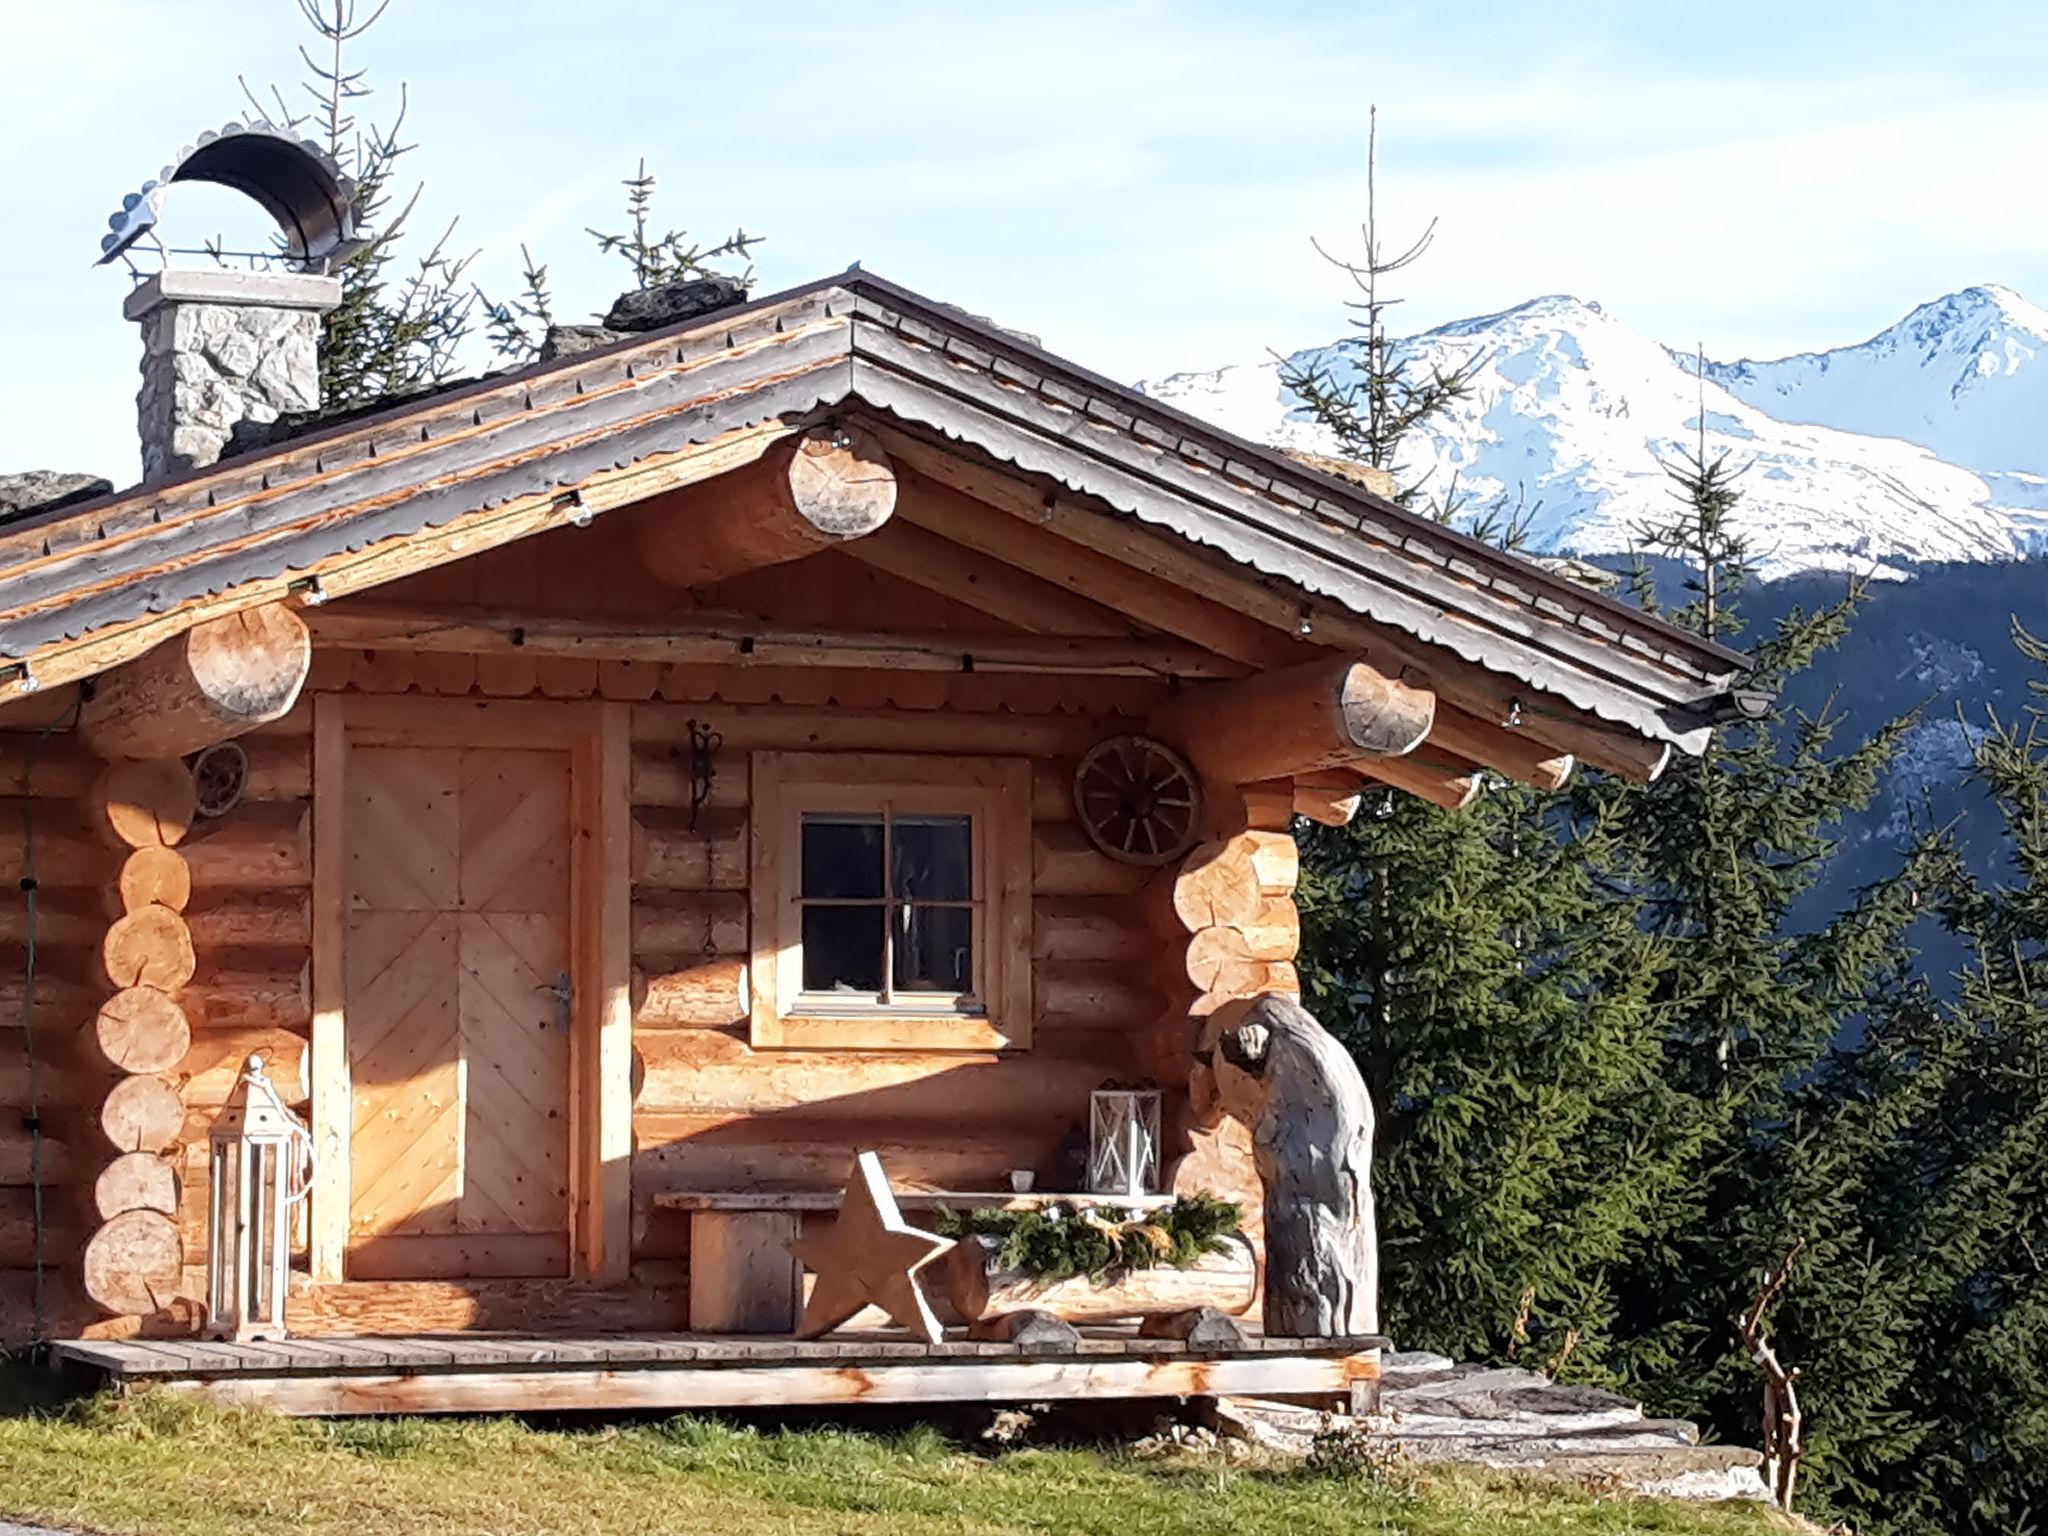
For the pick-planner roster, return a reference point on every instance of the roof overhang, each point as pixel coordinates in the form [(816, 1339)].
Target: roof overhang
[(84, 587)]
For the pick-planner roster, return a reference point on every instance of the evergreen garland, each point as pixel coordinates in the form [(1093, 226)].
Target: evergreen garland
[(1064, 1241)]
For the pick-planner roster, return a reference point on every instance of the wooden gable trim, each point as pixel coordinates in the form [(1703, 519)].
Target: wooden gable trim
[(404, 555)]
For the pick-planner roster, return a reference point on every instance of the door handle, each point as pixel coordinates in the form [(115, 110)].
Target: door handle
[(559, 990)]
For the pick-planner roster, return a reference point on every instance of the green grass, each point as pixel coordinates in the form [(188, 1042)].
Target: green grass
[(157, 1466)]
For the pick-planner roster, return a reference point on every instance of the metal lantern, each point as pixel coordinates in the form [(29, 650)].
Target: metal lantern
[(261, 1167), (1123, 1141)]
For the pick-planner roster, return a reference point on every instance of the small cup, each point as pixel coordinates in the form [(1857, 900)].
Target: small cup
[(1021, 1180)]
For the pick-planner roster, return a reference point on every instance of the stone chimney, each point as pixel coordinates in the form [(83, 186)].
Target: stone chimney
[(221, 346)]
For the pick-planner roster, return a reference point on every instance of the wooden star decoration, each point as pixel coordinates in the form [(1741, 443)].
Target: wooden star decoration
[(870, 1255)]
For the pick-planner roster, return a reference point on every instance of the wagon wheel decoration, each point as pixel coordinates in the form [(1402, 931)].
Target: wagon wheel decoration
[(1138, 800), (221, 773)]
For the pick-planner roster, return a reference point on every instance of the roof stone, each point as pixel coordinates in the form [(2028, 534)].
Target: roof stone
[(42, 490)]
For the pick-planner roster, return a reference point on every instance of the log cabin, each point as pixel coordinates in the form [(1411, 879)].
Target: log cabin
[(611, 795)]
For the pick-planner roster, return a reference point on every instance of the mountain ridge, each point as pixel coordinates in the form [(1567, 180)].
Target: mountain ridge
[(1852, 459)]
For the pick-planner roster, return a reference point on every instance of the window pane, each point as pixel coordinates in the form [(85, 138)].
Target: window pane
[(842, 856), (934, 949), (843, 950), (934, 858)]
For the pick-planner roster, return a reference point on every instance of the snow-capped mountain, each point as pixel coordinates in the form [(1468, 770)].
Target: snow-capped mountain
[(1918, 445)]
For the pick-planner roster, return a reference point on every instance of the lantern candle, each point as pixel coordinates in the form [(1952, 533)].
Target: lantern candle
[(261, 1166), (1123, 1141)]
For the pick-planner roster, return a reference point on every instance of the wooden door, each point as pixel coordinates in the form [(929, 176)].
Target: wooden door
[(457, 962)]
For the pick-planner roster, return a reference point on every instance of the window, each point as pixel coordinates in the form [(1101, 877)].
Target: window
[(891, 900)]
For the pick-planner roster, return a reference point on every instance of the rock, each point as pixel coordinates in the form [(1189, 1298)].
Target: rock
[(43, 490), (575, 340), (649, 309)]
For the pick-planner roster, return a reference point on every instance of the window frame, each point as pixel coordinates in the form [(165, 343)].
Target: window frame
[(995, 794)]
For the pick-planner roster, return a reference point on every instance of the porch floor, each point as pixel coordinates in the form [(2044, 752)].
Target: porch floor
[(498, 1373)]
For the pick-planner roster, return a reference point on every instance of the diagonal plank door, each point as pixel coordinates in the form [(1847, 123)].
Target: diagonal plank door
[(457, 932)]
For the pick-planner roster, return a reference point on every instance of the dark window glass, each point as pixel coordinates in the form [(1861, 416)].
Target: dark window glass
[(842, 856), (934, 949), (843, 949), (934, 857)]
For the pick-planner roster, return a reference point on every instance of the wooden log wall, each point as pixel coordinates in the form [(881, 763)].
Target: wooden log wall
[(712, 1113), (709, 1112), (1121, 957), (45, 790)]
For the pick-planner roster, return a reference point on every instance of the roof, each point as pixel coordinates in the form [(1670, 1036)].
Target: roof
[(854, 340)]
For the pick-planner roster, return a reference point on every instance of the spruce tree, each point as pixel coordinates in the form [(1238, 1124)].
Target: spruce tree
[(1921, 1159), (1495, 992), (401, 323), (1719, 852), (1499, 1002)]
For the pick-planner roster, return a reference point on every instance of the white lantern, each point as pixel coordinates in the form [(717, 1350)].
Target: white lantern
[(261, 1167), (1123, 1141)]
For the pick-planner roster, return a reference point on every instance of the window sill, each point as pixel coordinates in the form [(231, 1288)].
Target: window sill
[(879, 1031)]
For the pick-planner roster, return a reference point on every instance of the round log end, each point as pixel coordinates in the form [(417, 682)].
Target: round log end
[(133, 1263), (149, 948), (143, 1114), (842, 482), (251, 665), (1382, 715), (145, 804), (142, 1030), (136, 1181), (152, 877)]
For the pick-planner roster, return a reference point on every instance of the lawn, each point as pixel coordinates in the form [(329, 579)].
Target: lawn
[(158, 1467)]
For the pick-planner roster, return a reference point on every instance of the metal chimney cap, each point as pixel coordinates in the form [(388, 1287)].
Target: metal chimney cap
[(294, 180)]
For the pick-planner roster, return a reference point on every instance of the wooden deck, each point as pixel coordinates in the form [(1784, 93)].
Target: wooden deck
[(487, 1373)]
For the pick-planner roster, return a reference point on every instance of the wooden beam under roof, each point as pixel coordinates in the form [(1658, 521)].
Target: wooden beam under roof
[(1317, 714), (1150, 598), (832, 486), (1438, 777), (215, 681), (1480, 693), (1512, 752), (708, 637), (965, 575)]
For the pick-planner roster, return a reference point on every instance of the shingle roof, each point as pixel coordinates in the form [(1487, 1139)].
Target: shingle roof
[(854, 339)]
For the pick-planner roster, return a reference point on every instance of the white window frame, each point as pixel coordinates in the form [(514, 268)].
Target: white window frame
[(994, 793)]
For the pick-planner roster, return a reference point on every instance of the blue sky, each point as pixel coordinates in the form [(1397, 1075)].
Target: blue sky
[(1134, 180)]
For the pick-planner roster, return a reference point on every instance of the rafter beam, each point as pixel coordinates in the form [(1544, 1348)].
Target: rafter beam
[(1154, 600), (830, 486), (214, 681), (716, 638), (1437, 777), (1272, 725), (966, 575), (1509, 751)]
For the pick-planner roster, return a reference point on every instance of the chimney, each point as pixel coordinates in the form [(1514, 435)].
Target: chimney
[(221, 346)]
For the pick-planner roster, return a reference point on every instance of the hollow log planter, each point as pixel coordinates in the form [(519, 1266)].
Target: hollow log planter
[(824, 488), (218, 679), (976, 1286), (1270, 1065)]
